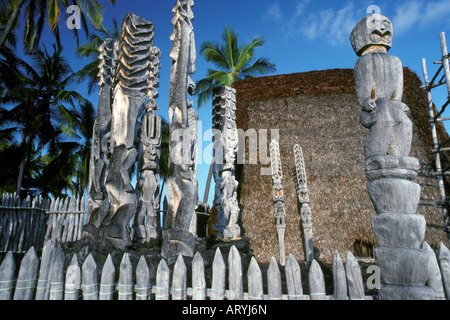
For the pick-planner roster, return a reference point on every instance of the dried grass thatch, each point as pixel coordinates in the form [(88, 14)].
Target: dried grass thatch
[(319, 111)]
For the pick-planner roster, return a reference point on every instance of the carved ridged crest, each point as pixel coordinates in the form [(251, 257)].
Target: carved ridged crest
[(138, 62)]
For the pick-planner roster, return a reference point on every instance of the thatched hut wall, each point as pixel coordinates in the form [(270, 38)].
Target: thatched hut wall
[(319, 111)]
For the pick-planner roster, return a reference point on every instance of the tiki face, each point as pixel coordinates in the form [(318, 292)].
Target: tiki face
[(278, 192), (372, 31)]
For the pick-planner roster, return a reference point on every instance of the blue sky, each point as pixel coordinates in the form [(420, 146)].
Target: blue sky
[(301, 35)]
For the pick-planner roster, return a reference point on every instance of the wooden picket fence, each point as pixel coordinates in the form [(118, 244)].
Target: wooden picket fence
[(46, 279), (33, 221), (22, 223)]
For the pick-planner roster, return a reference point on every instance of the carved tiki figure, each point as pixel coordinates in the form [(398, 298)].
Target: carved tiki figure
[(379, 87), (391, 172), (181, 184)]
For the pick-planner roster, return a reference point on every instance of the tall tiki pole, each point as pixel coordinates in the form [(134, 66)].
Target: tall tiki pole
[(225, 150), (399, 230), (278, 197), (303, 199), (98, 202), (131, 89), (147, 224), (181, 186)]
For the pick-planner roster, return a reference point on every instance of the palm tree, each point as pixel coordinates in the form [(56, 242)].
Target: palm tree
[(41, 92), (90, 50), (234, 63), (78, 126), (38, 11)]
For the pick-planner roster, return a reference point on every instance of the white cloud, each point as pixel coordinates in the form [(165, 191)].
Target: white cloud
[(274, 13), (419, 13), (332, 25)]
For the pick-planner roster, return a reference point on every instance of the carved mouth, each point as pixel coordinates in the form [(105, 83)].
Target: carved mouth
[(378, 36)]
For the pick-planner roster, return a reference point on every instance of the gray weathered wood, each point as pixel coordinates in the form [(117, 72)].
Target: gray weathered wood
[(43, 285), (198, 278), (143, 285), (444, 263), (89, 276), (179, 279), (274, 281), (434, 273), (316, 282), (73, 280), (7, 277), (255, 281), (57, 275), (28, 272), (235, 283), (293, 279), (354, 278), (339, 278), (126, 278), (162, 281), (107, 280), (218, 277)]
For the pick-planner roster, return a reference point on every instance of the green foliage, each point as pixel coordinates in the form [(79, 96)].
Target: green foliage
[(234, 62)]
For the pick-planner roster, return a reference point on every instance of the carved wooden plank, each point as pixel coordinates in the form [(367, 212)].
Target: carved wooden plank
[(235, 275), (162, 281), (73, 280), (26, 282), (81, 219), (43, 285), (7, 277), (143, 285), (68, 227), (23, 230), (89, 278), (434, 276), (293, 279), (218, 277), (107, 280), (51, 217), (57, 275), (316, 282), (354, 278), (444, 263), (274, 281), (179, 279), (255, 281), (198, 278), (126, 278), (339, 278)]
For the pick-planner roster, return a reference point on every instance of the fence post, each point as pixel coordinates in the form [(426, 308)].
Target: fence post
[(354, 278), (89, 279), (126, 278), (179, 279), (143, 285), (316, 282), (7, 277), (162, 281), (218, 277), (274, 281), (339, 278), (198, 278), (107, 280), (235, 275), (73, 280), (26, 282), (444, 263), (293, 279), (57, 275), (43, 285), (255, 281)]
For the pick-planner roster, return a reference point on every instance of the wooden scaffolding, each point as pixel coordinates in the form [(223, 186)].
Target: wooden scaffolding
[(441, 77)]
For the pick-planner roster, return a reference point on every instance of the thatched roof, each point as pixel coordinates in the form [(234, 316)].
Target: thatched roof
[(319, 111)]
